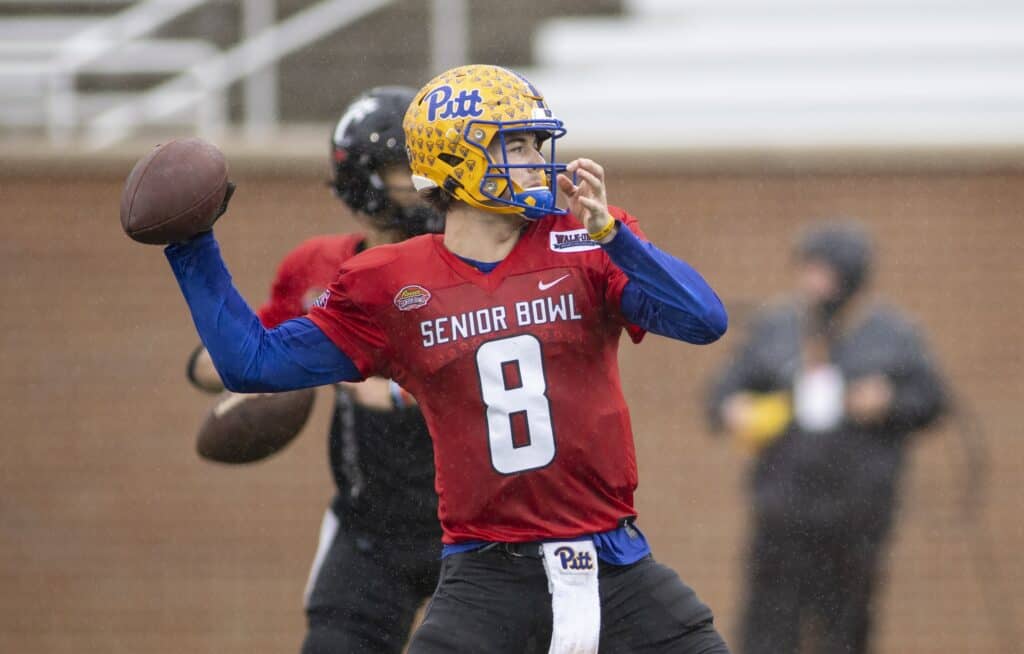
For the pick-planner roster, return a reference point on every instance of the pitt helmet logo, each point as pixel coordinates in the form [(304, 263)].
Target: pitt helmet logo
[(412, 297), (466, 103), (571, 560)]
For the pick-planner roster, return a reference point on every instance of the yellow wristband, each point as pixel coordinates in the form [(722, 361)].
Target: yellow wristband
[(605, 231)]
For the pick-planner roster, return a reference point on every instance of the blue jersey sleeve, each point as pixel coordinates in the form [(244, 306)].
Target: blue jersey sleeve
[(665, 295), (249, 357)]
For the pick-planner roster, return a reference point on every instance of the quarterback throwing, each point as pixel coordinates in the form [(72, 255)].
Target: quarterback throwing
[(495, 326)]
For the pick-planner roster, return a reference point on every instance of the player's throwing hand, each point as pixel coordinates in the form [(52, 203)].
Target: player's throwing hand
[(588, 200)]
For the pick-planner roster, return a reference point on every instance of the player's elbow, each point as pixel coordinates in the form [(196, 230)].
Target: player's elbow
[(715, 321), (239, 379), (242, 384), (236, 383), (201, 372)]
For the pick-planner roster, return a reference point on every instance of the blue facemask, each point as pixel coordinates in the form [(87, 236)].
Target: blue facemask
[(539, 200)]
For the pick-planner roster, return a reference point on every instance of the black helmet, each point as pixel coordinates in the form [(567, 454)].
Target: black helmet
[(367, 139)]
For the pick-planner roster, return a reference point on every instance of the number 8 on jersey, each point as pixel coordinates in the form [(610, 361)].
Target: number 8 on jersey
[(514, 390)]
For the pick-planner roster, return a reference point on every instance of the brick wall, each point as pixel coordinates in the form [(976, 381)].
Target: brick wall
[(115, 537)]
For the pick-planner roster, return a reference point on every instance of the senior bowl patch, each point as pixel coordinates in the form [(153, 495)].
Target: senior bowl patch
[(576, 240), (412, 297)]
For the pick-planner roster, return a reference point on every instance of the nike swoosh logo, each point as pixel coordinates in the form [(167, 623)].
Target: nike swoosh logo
[(545, 286)]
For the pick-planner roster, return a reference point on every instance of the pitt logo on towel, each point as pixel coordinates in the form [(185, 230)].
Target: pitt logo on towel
[(573, 561)]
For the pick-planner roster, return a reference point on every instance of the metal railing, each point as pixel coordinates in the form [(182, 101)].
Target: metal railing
[(197, 94), (90, 44), (201, 81)]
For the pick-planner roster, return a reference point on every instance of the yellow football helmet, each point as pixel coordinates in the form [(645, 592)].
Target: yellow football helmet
[(457, 115)]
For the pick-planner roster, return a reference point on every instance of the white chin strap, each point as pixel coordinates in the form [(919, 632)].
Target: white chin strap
[(419, 182)]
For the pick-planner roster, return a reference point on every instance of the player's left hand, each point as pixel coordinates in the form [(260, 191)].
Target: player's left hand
[(588, 201)]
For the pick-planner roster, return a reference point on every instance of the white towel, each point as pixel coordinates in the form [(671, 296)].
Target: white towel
[(571, 567), (818, 398)]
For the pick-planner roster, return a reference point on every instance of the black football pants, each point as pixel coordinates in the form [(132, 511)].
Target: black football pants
[(497, 602), (366, 592)]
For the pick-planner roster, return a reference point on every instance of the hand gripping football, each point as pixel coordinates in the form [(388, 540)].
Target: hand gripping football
[(174, 192)]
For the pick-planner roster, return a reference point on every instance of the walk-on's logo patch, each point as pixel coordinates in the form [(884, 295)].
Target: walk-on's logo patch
[(576, 240), (573, 561), (412, 297)]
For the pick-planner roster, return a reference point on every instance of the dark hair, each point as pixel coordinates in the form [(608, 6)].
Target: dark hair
[(438, 199)]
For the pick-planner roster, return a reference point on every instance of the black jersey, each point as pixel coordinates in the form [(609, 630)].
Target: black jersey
[(382, 461), (383, 466)]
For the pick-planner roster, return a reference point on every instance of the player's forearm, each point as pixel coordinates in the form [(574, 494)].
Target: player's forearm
[(248, 357), (665, 295)]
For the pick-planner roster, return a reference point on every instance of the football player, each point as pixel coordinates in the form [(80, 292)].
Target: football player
[(379, 550), (506, 329)]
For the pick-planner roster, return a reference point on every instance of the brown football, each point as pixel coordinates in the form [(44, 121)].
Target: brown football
[(174, 192), (247, 427)]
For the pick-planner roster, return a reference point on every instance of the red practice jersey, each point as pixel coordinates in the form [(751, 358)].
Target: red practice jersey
[(304, 274), (516, 372)]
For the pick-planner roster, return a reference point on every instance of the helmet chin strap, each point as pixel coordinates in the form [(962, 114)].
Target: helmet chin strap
[(412, 221), (540, 199)]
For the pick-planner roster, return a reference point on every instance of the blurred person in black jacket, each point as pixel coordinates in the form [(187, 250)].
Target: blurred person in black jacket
[(826, 392)]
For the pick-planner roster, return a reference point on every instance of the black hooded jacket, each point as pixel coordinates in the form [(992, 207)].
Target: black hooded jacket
[(847, 476)]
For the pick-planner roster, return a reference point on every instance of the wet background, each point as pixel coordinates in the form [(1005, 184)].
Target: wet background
[(116, 537)]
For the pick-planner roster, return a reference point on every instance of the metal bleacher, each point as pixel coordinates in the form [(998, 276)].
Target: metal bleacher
[(646, 75), (44, 53), (742, 74)]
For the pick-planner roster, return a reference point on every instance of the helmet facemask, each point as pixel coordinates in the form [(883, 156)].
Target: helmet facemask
[(497, 184)]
